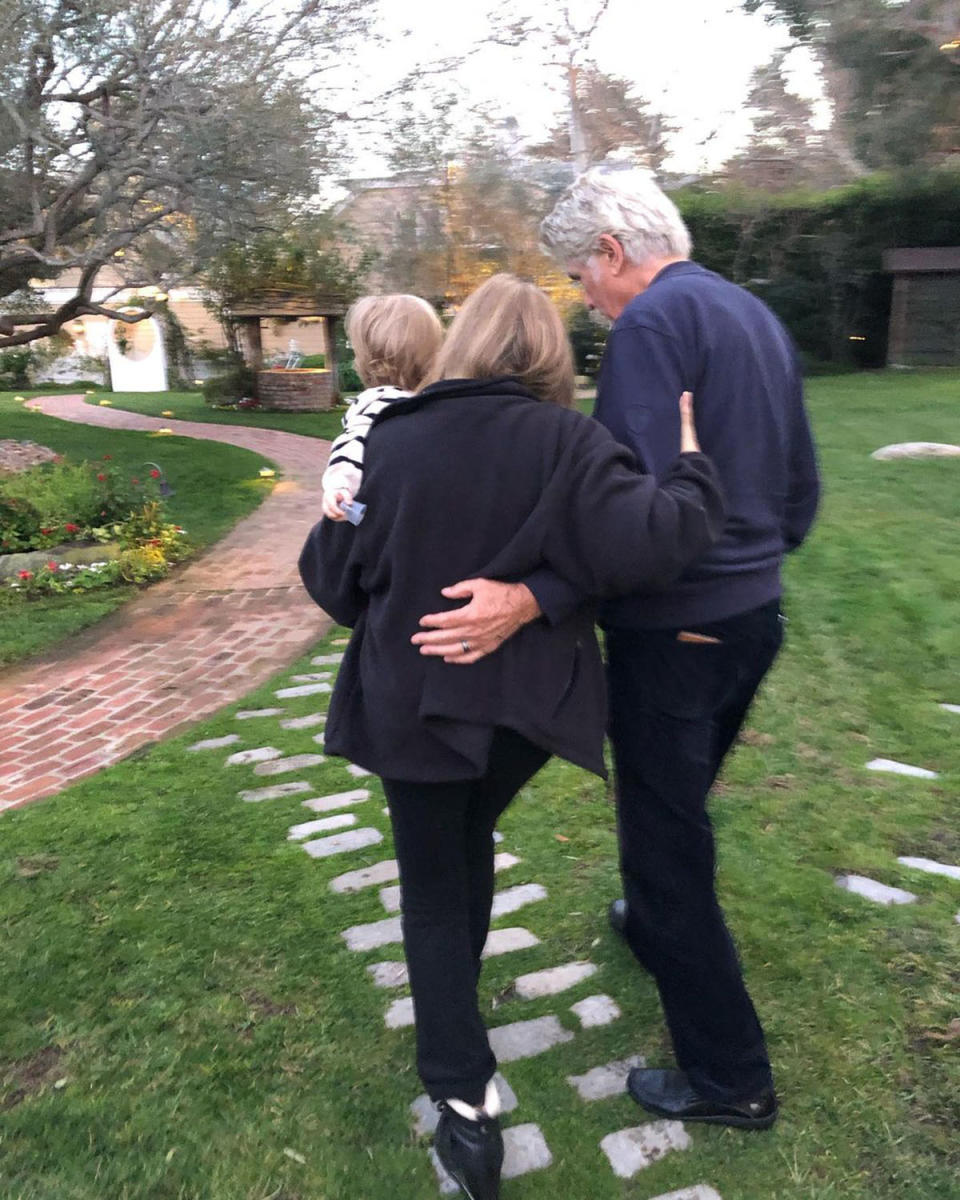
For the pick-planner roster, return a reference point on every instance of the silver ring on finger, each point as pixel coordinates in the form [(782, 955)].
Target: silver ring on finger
[(465, 646)]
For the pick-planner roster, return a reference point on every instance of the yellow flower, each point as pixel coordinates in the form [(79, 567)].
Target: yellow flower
[(167, 412), (105, 403)]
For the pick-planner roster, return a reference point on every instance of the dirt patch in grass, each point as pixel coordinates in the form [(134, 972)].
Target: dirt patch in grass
[(26, 1077)]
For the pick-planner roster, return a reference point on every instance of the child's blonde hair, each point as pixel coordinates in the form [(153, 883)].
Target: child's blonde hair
[(509, 327), (394, 338)]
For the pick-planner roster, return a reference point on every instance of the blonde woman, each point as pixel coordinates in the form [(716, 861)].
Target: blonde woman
[(487, 472)]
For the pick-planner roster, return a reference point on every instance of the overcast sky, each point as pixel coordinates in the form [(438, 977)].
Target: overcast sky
[(691, 58)]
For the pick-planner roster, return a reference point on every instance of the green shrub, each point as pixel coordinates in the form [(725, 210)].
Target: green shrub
[(234, 385), (313, 360), (588, 338), (15, 367), (61, 502)]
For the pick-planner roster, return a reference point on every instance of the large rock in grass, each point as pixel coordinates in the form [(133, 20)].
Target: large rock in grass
[(917, 450)]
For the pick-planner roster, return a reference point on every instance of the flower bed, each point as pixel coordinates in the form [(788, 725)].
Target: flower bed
[(61, 510)]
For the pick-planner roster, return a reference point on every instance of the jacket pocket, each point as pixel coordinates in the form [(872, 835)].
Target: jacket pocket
[(572, 678)]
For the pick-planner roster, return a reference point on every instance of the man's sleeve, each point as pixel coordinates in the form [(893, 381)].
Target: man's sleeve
[(557, 598), (803, 488), (643, 378)]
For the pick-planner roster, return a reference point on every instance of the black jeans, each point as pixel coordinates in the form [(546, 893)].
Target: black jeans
[(443, 834), (676, 708)]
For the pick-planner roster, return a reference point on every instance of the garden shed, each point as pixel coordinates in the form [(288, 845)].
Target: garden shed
[(925, 311), (291, 388)]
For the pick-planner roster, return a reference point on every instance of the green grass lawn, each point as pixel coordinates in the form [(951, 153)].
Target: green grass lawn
[(214, 487), (182, 1021), (190, 406)]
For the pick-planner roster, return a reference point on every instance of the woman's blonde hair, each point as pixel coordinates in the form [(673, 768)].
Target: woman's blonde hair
[(508, 327), (394, 338)]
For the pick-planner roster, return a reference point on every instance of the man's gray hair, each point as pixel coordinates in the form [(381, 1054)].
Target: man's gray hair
[(628, 205)]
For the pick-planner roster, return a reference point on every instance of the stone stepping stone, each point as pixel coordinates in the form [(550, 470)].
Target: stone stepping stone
[(504, 861), (320, 738), (524, 1150), (497, 836), (951, 708), (390, 899), (596, 1011), (609, 1080), (400, 1014), (297, 762), (340, 843), (377, 933), (307, 722), (525, 1039), (302, 689), (274, 792), (917, 450), (243, 758), (358, 772), (216, 743), (699, 1192), (631, 1150), (898, 768), (312, 677), (931, 867), (340, 821), (336, 800), (514, 898), (880, 893), (250, 713), (552, 980), (355, 881), (505, 941), (327, 660), (389, 974), (426, 1116)]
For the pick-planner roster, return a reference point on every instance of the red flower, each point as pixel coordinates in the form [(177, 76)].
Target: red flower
[(25, 574), (154, 474), (101, 478), (51, 566), (107, 457), (71, 528), (46, 532), (135, 480)]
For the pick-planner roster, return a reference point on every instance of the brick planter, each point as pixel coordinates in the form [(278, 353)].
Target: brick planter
[(300, 389)]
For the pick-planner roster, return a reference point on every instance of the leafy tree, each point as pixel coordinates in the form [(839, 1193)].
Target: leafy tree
[(785, 150), (889, 71), (611, 117), (131, 128)]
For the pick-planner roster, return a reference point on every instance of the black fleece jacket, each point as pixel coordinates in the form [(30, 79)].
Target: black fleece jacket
[(476, 478)]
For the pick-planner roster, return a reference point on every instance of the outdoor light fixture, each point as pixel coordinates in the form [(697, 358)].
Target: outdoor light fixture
[(954, 45), (165, 488), (267, 473)]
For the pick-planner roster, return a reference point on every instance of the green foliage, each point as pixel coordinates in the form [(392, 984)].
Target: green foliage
[(15, 367), (314, 360), (237, 383), (817, 258), (588, 338), (62, 501)]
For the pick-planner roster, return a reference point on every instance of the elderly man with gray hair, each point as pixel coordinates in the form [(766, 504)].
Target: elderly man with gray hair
[(683, 664)]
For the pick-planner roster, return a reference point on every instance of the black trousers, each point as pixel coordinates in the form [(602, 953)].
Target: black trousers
[(443, 834), (676, 708)]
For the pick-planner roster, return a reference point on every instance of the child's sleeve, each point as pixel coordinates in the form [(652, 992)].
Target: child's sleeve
[(345, 467)]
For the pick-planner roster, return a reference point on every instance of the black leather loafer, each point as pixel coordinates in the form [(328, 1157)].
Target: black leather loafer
[(471, 1152), (617, 914), (669, 1094)]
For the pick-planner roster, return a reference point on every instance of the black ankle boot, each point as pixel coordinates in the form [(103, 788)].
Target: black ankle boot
[(471, 1152)]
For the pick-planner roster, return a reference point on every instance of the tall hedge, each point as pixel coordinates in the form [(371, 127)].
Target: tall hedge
[(817, 259)]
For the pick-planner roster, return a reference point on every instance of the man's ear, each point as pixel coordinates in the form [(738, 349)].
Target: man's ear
[(611, 249)]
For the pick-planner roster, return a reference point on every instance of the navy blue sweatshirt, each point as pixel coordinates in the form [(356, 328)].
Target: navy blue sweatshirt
[(692, 330)]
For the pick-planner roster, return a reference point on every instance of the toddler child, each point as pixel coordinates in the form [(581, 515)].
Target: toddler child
[(395, 340)]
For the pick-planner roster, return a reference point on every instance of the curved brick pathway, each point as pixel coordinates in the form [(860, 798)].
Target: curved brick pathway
[(206, 636)]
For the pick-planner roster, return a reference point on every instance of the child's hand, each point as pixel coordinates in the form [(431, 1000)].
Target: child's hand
[(332, 502)]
